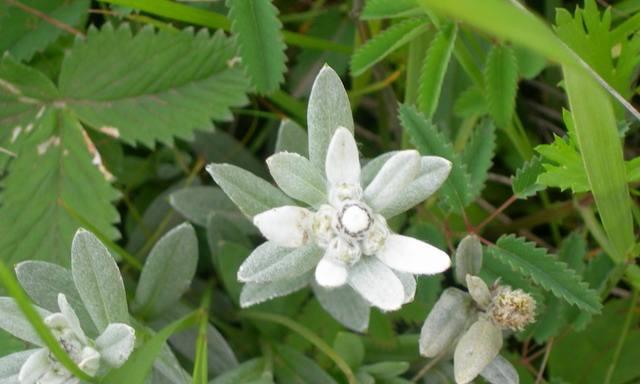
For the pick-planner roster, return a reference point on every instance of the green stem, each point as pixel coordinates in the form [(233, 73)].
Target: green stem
[(30, 313), (307, 334), (623, 337)]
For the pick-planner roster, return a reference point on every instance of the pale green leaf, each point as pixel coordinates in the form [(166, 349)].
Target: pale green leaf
[(294, 367), (53, 169), (345, 305), (387, 41), (298, 178), (168, 271), (427, 139), (478, 155), (500, 371), (255, 293), (546, 271), (175, 84), (476, 349), (329, 108), (386, 369), (250, 193), (292, 138), (384, 9), (268, 262), (501, 84), (468, 260), (471, 102), (23, 34), (351, 348), (98, 280), (248, 372), (13, 321), (435, 67), (258, 32)]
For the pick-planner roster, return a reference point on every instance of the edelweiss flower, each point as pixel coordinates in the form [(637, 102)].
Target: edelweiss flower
[(359, 249), (340, 244), (113, 348)]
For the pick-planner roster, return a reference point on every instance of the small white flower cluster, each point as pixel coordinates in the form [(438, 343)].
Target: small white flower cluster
[(511, 309), (112, 348)]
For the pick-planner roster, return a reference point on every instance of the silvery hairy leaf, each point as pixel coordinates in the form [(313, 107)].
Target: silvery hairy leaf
[(13, 321), (250, 193), (10, 366), (468, 258), (345, 305), (476, 349), (434, 171), (500, 371), (198, 202), (270, 262), (168, 271), (256, 293), (298, 178), (479, 291), (43, 282), (328, 109), (446, 321), (292, 138), (372, 167), (98, 280)]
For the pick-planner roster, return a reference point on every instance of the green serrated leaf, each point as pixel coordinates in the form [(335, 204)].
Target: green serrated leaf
[(544, 270), (23, 34), (387, 41), (435, 67), (425, 136), (501, 84), (563, 166), (175, 84), (471, 102), (525, 182), (258, 31), (385, 9), (53, 167), (478, 155)]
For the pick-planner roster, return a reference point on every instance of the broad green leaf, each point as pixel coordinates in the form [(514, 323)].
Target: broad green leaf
[(98, 280), (596, 345), (350, 347), (53, 169), (189, 82), (292, 138), (471, 102), (501, 84), (230, 257), (545, 271), (250, 193), (387, 41), (530, 64), (258, 32), (8, 344), (43, 282), (525, 182), (328, 109), (386, 369), (384, 9), (427, 139), (168, 271), (23, 34), (435, 67), (199, 202), (298, 178), (293, 367), (478, 155), (597, 136), (139, 364)]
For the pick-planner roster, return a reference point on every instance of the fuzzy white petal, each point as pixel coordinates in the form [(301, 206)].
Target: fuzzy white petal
[(377, 284), (116, 344), (35, 367), (285, 226), (71, 317), (90, 361), (331, 273), (343, 164), (394, 176), (407, 254)]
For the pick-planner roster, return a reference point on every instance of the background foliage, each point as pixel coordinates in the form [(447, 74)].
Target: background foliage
[(109, 110)]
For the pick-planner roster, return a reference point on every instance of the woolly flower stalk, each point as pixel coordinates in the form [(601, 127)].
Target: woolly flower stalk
[(340, 242), (112, 348)]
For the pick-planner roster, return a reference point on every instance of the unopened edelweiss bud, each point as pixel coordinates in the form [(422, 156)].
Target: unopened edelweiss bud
[(512, 309)]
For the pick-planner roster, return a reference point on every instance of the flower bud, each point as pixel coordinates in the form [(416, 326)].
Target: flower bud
[(512, 309)]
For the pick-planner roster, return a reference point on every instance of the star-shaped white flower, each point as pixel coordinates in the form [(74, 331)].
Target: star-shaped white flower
[(112, 348), (359, 248)]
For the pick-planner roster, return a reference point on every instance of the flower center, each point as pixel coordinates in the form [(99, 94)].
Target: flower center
[(355, 219)]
